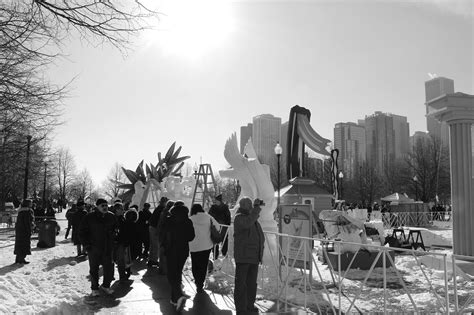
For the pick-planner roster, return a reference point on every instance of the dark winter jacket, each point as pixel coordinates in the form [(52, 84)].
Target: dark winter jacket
[(248, 237), (178, 231), (23, 225), (221, 213), (125, 231), (143, 221), (98, 232), (76, 220), (155, 216)]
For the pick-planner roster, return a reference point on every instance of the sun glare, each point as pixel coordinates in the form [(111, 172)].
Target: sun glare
[(191, 28)]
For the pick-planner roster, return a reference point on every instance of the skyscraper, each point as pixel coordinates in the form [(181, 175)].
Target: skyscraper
[(435, 88), (245, 135), (387, 138), (266, 132), (401, 129), (349, 139)]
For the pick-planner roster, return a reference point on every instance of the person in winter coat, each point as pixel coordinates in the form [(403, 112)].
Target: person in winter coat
[(220, 211), (161, 234), (248, 253), (69, 214), (178, 232), (23, 226), (200, 247), (122, 243), (131, 215), (143, 231), (154, 235), (97, 233), (76, 220)]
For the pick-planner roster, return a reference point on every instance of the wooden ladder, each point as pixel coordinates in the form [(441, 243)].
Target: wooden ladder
[(205, 187)]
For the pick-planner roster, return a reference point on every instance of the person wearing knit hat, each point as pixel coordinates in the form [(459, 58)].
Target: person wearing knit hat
[(97, 233)]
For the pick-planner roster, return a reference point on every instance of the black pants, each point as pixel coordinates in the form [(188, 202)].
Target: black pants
[(199, 266), (97, 258), (69, 226), (245, 287), (145, 240), (175, 263), (224, 248)]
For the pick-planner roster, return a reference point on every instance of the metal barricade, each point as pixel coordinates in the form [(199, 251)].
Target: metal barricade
[(402, 283)]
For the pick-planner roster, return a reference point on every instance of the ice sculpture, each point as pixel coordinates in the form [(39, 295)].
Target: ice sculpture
[(255, 182)]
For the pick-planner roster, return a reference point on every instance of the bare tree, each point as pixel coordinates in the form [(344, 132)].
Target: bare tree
[(114, 179), (429, 162), (65, 171), (83, 186)]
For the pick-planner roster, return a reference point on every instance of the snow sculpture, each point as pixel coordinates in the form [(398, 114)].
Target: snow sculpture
[(177, 188), (139, 192), (255, 182), (340, 225)]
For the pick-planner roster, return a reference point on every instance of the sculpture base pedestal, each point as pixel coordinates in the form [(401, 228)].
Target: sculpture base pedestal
[(363, 260)]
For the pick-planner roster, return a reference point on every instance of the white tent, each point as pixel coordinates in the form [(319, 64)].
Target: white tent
[(398, 198)]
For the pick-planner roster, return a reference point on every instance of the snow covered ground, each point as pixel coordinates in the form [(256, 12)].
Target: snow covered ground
[(54, 280)]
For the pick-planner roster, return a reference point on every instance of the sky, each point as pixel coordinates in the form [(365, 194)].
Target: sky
[(209, 66)]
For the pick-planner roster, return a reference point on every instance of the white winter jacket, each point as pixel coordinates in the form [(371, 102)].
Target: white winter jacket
[(202, 230)]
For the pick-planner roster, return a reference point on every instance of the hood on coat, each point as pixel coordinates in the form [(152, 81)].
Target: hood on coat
[(178, 213)]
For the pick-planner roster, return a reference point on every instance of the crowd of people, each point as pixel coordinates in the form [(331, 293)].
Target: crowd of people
[(121, 234)]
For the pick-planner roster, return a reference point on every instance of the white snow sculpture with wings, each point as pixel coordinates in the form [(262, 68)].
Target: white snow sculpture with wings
[(254, 179)]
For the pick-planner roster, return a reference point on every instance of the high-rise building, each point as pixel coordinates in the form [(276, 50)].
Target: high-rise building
[(434, 88), (349, 139), (417, 138), (266, 132), (401, 128), (387, 138), (245, 135)]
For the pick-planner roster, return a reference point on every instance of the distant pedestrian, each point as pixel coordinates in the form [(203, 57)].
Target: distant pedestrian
[(97, 233), (220, 211), (248, 253), (131, 215), (178, 231), (69, 214), (122, 243), (23, 227), (161, 233), (200, 247), (143, 224), (76, 220), (154, 235)]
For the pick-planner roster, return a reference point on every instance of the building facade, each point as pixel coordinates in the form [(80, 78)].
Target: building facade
[(266, 132), (387, 139), (350, 140), (434, 88), (245, 135)]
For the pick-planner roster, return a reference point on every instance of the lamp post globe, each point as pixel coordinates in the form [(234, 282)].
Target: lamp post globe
[(341, 176)]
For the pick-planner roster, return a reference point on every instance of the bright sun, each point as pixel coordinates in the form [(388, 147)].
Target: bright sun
[(191, 28)]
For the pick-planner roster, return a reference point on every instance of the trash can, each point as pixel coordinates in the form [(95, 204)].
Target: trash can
[(47, 233)]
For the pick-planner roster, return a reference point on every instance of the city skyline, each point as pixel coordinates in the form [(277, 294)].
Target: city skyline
[(265, 58)]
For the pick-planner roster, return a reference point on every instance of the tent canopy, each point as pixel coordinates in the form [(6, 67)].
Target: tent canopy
[(399, 198)]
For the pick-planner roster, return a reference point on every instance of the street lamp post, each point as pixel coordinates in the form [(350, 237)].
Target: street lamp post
[(44, 185), (415, 179), (278, 152), (27, 166), (341, 176)]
